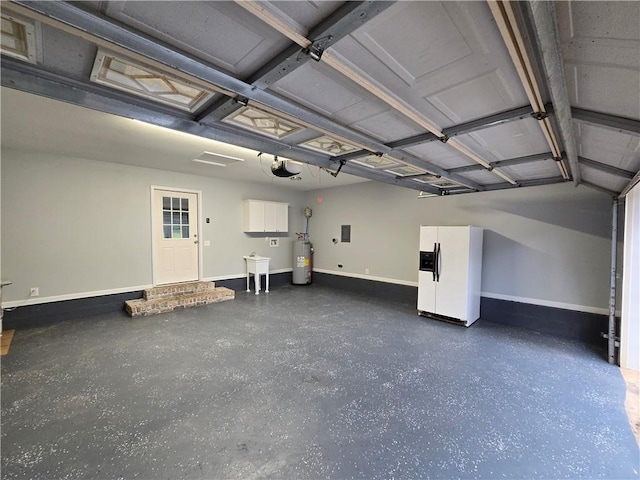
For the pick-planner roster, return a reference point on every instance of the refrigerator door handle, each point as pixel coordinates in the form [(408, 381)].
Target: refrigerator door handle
[(438, 262), (435, 260)]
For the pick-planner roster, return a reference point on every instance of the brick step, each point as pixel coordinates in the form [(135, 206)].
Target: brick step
[(164, 291), (143, 307)]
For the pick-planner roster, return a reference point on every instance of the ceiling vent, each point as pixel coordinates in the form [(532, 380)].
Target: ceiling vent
[(131, 77), (216, 159), (18, 39)]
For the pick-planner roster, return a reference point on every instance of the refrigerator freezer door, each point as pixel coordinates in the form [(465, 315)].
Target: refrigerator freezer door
[(426, 292), (426, 280), (428, 236)]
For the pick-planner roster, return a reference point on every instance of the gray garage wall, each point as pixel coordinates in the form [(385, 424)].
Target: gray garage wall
[(547, 246), (74, 227)]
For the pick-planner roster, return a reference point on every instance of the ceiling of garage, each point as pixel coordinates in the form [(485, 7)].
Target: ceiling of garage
[(440, 97)]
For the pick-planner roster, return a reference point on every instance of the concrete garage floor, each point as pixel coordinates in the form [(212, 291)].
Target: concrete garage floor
[(308, 382)]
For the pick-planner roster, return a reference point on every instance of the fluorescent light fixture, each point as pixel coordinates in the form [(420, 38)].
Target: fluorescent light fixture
[(327, 144), (216, 159), (123, 74), (427, 195), (18, 39), (265, 123)]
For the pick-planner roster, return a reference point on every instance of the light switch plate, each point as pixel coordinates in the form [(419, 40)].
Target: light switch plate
[(207, 243)]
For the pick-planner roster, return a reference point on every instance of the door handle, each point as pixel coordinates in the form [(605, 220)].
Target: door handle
[(435, 260), (438, 262), (195, 241)]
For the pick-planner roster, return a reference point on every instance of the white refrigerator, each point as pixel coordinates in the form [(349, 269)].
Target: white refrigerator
[(449, 273)]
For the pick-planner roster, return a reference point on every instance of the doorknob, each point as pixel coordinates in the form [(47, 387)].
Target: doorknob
[(195, 241)]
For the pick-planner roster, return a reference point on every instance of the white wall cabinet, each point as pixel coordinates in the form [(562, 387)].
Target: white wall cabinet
[(261, 216)]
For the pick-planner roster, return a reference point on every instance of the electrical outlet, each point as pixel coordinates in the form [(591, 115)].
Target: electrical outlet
[(34, 292), (366, 271)]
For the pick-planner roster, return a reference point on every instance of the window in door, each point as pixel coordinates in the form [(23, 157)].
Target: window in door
[(175, 217)]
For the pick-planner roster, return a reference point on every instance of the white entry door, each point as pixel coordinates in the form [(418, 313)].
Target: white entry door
[(175, 236)]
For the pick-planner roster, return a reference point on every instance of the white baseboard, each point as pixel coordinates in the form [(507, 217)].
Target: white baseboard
[(99, 293), (497, 296), (243, 275), (367, 277), (548, 303), (71, 296)]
